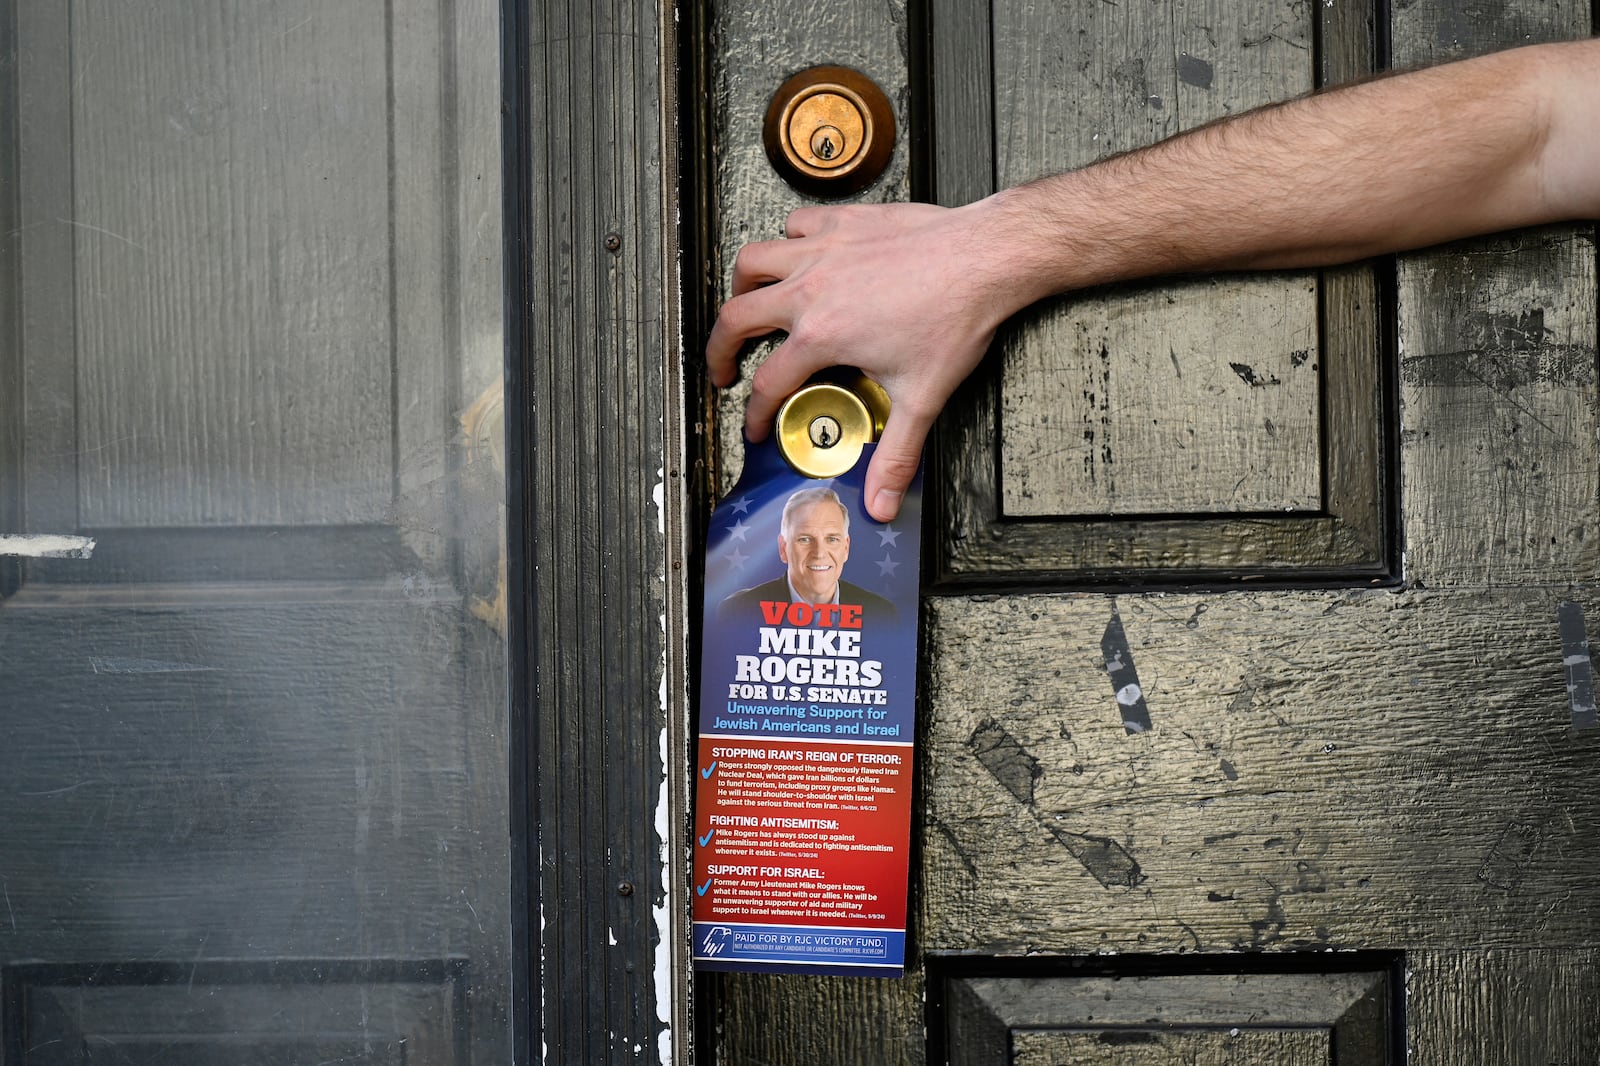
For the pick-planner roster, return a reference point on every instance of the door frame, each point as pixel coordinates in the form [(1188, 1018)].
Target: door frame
[(599, 491)]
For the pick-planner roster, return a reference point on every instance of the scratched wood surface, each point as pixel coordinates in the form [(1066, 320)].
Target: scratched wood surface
[(1500, 450), (1194, 396), (755, 47), (794, 1019), (1497, 378), (1520, 1006), (1324, 771), (1291, 1048)]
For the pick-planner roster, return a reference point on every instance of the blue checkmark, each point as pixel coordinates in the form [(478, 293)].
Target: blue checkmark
[(708, 771), (703, 889), (707, 838)]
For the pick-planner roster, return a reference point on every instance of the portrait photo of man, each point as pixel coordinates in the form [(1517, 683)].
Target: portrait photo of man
[(813, 545)]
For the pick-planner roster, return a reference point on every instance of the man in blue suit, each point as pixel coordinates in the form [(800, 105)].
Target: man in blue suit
[(813, 543)]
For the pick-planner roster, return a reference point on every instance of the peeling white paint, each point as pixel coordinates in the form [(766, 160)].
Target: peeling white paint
[(661, 914), (544, 1045), (46, 545)]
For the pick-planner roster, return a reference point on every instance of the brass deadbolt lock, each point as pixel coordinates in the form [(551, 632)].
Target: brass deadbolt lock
[(829, 131), (822, 428)]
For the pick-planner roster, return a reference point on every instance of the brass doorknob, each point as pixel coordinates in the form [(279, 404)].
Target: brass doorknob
[(822, 428), (829, 131)]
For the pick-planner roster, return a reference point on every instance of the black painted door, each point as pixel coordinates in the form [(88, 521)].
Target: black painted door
[(1339, 525)]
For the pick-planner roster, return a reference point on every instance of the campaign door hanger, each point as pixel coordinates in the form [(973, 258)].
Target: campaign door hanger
[(807, 702)]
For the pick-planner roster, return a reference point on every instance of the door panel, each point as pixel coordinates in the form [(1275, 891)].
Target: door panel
[(1396, 774), (1497, 381), (1346, 771), (1211, 428), (1497, 364), (1293, 1047), (1350, 769), (1108, 407), (232, 357), (255, 731), (245, 276), (1274, 1019)]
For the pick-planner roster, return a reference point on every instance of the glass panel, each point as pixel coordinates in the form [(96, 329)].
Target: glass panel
[(253, 764)]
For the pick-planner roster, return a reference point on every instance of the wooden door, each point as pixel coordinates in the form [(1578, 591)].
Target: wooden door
[(1339, 525), (253, 694)]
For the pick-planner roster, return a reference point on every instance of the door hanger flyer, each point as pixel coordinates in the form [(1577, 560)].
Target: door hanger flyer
[(807, 709)]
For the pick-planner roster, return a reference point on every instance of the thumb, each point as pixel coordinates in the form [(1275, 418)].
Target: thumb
[(894, 463)]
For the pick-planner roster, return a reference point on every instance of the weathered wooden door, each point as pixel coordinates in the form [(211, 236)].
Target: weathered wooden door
[(254, 791), (1338, 526)]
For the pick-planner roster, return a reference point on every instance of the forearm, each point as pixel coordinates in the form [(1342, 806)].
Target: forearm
[(912, 294), (1404, 162)]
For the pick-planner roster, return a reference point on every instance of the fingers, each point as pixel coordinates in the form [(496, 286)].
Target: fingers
[(894, 463), (805, 221), (755, 308), (762, 263), (756, 270), (752, 314), (775, 380)]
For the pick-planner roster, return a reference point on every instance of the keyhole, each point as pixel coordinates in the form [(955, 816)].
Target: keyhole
[(825, 431), (827, 142)]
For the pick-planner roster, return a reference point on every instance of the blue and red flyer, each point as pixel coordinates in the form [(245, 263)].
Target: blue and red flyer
[(807, 713)]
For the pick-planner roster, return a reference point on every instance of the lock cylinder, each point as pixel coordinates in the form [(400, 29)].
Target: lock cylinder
[(822, 428), (829, 131)]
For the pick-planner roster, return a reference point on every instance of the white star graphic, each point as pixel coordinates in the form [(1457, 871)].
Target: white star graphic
[(888, 536), (738, 529), (742, 505), (887, 566), (738, 559)]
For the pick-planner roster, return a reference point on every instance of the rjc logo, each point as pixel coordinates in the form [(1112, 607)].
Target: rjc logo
[(716, 939)]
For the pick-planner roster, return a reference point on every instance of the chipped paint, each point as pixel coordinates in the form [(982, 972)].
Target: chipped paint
[(661, 911), (1192, 70), (1579, 666), (46, 545), (1118, 658), (1107, 861)]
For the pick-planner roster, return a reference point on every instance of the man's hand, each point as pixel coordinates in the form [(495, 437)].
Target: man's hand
[(912, 294), (910, 272)]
